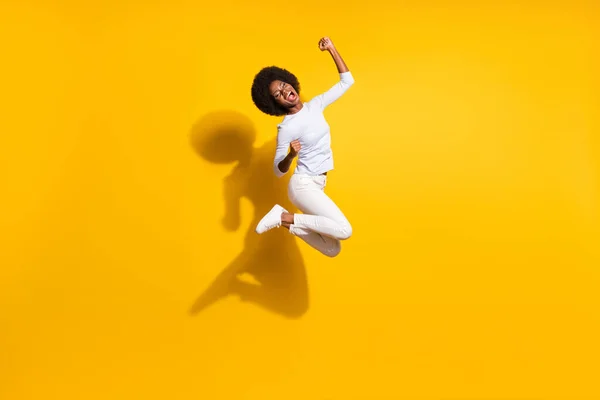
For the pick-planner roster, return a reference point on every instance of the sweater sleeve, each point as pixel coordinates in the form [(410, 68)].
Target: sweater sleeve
[(280, 151), (336, 91)]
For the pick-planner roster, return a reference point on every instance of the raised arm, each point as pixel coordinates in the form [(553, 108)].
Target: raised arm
[(325, 44), (346, 78)]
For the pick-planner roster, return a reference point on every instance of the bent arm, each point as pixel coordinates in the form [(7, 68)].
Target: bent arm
[(346, 80), (337, 90), (284, 166), (283, 159), (339, 61)]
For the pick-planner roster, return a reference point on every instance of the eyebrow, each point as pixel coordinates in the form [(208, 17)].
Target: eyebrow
[(280, 85)]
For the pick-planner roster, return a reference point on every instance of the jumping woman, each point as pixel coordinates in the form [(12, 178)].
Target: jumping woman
[(304, 133)]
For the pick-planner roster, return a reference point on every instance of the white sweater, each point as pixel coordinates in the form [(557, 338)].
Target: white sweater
[(310, 127)]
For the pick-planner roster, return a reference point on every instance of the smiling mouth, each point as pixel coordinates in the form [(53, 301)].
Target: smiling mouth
[(291, 97)]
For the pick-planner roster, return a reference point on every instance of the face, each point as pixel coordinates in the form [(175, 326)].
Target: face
[(284, 94)]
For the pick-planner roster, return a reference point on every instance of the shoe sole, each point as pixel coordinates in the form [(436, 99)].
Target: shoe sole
[(265, 217)]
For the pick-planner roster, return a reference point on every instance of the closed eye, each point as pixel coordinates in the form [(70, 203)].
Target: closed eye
[(281, 87)]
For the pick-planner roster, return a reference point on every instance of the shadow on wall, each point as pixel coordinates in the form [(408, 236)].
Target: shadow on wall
[(270, 270)]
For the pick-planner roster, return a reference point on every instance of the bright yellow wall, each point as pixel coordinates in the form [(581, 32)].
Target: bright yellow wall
[(467, 159)]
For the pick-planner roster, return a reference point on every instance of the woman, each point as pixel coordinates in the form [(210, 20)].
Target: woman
[(304, 133)]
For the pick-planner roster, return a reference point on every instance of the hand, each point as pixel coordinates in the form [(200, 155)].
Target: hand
[(295, 148), (326, 44)]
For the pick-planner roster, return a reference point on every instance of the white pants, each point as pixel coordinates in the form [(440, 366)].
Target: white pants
[(323, 224)]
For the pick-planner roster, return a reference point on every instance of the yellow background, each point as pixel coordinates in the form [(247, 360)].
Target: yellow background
[(467, 159)]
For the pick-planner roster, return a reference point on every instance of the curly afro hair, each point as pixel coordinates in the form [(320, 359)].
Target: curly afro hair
[(261, 95)]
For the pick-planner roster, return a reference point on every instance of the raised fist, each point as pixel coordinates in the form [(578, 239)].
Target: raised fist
[(295, 147), (325, 44)]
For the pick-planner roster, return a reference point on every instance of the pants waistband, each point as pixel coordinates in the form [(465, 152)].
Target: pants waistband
[(309, 175)]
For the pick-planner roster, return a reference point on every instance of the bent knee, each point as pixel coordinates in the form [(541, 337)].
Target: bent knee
[(346, 232)]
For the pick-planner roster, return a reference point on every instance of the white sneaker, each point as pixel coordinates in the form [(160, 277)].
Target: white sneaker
[(271, 220)]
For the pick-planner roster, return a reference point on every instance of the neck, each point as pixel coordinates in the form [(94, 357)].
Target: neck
[(296, 108)]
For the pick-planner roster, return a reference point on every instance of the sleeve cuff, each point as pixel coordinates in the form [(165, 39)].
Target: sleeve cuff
[(278, 172), (347, 77)]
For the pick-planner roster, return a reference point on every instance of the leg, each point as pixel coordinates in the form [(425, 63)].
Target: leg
[(328, 246), (322, 225), (318, 224), (321, 214)]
